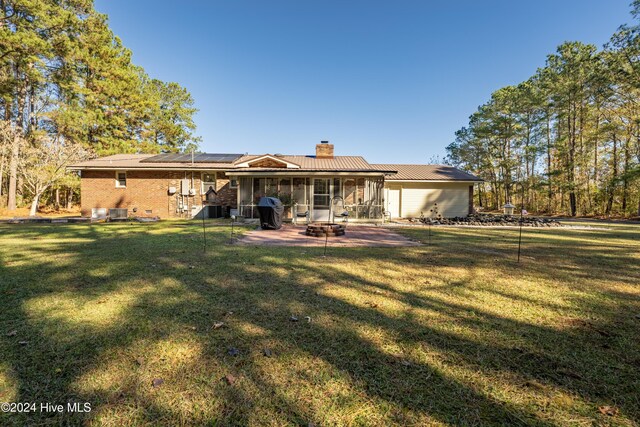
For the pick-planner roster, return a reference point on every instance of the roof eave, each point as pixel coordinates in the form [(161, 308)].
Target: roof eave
[(435, 180)]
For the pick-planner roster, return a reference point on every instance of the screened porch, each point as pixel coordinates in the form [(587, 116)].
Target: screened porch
[(361, 197)]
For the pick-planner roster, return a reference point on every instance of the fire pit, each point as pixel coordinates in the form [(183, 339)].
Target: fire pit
[(324, 229)]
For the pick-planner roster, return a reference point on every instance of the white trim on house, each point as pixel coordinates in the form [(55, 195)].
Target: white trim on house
[(248, 163)]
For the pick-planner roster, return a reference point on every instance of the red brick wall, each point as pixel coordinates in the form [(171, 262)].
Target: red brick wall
[(147, 191)]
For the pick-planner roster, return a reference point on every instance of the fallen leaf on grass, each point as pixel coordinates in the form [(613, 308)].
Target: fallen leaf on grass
[(140, 360), (12, 333), (308, 319), (157, 382), (266, 352), (218, 325), (608, 410), (230, 379)]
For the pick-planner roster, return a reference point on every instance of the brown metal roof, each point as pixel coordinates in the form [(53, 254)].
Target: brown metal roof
[(306, 163), (310, 163), (337, 163), (425, 173)]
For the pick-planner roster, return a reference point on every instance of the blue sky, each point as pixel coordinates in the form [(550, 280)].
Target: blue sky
[(391, 80)]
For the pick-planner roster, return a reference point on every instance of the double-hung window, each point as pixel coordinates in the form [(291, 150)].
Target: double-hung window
[(121, 179)]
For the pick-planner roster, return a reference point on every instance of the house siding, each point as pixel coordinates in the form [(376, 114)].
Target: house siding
[(147, 191)]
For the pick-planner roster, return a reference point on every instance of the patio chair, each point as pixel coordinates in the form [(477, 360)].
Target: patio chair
[(339, 209), (301, 211)]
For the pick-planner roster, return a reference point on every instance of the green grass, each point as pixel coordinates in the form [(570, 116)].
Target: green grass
[(452, 333)]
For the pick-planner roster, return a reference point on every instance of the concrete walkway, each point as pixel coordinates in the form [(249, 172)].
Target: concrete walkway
[(360, 236)]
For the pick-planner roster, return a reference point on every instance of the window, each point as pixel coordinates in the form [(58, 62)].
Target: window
[(208, 180), (121, 179), (233, 183)]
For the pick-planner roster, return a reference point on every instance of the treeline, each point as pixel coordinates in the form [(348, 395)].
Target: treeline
[(566, 141), (68, 91)]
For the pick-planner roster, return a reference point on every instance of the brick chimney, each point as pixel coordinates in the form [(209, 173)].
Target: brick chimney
[(324, 150)]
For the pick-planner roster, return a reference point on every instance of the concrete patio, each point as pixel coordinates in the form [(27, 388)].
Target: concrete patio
[(356, 236)]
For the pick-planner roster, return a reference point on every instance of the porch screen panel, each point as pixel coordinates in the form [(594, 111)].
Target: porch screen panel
[(258, 189), (284, 187), (360, 196), (299, 193), (350, 191), (271, 187), (245, 191), (336, 188)]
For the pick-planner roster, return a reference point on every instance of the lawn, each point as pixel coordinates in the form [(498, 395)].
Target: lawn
[(136, 320)]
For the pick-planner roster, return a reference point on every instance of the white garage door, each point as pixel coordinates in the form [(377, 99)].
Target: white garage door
[(451, 199)]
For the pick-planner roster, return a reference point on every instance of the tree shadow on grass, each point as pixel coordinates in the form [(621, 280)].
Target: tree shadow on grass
[(121, 296)]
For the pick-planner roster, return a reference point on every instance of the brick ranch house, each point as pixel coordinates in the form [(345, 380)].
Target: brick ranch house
[(190, 185)]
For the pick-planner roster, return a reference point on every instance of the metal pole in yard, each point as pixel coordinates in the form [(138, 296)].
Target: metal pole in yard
[(204, 230), (233, 219), (521, 221), (520, 238)]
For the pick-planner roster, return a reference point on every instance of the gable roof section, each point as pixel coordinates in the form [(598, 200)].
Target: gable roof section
[(426, 173), (267, 158)]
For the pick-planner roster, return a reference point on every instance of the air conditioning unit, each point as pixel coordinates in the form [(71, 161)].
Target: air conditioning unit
[(116, 214), (99, 213), (172, 191), (192, 191)]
